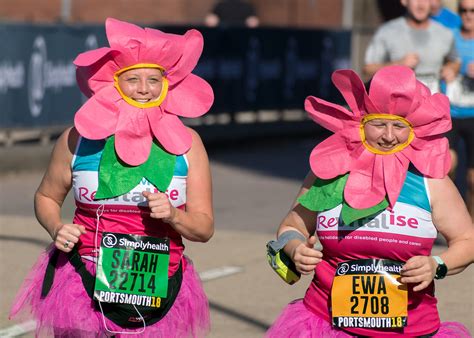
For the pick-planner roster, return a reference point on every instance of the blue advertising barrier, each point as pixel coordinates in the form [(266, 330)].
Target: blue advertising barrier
[(250, 70)]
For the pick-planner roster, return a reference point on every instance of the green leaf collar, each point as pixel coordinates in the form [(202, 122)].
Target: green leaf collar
[(117, 178)]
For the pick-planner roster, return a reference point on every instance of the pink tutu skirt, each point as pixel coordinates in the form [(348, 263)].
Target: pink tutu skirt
[(68, 311), (296, 321)]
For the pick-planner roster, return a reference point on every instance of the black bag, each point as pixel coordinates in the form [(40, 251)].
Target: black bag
[(124, 315)]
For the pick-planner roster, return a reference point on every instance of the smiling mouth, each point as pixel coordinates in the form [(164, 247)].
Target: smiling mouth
[(142, 100), (386, 146)]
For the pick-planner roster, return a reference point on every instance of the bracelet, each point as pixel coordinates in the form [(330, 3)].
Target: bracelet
[(285, 237), (279, 261)]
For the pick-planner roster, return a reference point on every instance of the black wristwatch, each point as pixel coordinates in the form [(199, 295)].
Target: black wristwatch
[(442, 269)]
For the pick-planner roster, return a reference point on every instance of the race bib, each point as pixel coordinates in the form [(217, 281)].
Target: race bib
[(366, 294), (132, 269)]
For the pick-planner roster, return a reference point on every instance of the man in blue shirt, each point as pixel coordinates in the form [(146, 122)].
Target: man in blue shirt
[(461, 96), (444, 16)]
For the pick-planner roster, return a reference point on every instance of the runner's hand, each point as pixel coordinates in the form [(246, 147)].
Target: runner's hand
[(420, 270), (67, 236), (160, 206), (410, 60), (306, 257)]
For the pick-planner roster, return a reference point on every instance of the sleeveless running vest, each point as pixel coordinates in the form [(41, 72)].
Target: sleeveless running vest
[(127, 213), (399, 234)]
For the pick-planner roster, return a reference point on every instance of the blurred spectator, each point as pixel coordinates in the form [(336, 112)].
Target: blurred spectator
[(461, 96), (444, 16), (232, 13), (416, 41)]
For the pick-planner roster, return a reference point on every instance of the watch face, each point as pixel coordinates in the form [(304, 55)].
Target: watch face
[(441, 271)]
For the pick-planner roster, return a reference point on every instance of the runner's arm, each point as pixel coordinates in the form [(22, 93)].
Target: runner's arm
[(55, 184), (452, 220), (197, 222)]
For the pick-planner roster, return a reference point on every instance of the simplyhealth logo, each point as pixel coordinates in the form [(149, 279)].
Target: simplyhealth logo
[(110, 241), (44, 73), (372, 268)]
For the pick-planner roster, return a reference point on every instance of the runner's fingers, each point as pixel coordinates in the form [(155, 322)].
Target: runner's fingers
[(410, 271), (68, 230), (425, 277), (159, 204), (74, 233), (307, 260), (422, 264), (65, 245), (414, 272), (161, 214), (310, 252), (161, 210), (306, 269), (156, 197), (421, 286)]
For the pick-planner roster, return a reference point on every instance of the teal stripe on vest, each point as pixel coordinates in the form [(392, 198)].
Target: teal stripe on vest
[(90, 151), (414, 191), (88, 155), (181, 167)]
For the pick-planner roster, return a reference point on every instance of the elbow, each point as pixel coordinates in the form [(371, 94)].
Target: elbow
[(205, 236), (202, 237), (203, 233)]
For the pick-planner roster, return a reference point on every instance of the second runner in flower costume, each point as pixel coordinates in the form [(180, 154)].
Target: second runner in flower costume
[(375, 199)]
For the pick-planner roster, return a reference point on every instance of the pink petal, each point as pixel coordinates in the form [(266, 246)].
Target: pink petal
[(395, 170), (331, 157), (421, 94), (91, 56), (329, 115), (171, 133), (129, 57), (191, 54), (393, 90), (133, 137), (163, 48), (102, 76), (431, 156), (365, 185), (123, 35), (97, 118), (352, 88), (95, 72), (432, 117), (199, 97), (129, 39)]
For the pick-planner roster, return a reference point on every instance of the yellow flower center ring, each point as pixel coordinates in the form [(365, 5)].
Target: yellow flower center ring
[(397, 148), (154, 103)]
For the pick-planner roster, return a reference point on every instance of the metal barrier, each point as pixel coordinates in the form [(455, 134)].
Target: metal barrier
[(259, 75)]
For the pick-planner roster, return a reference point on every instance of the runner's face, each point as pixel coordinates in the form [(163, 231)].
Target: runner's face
[(142, 84), (418, 10), (385, 135)]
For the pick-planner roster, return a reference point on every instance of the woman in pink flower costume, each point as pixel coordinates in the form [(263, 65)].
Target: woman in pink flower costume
[(141, 182), (375, 199)]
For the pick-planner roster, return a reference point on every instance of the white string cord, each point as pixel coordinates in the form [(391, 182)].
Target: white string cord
[(99, 212)]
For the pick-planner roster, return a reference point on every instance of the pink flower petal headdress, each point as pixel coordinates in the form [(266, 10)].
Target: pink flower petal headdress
[(134, 124), (373, 176)]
